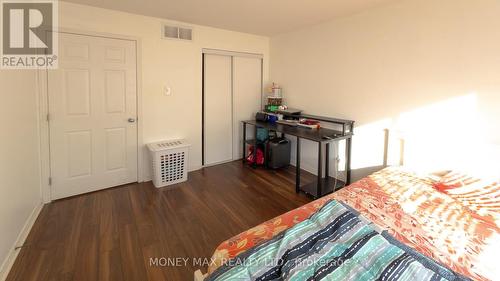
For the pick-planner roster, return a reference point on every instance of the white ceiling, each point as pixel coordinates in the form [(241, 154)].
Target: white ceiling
[(263, 17)]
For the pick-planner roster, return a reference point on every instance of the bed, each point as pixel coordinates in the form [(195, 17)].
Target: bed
[(451, 218)]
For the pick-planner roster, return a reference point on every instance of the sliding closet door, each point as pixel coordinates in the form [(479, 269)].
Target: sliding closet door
[(247, 95), (218, 122)]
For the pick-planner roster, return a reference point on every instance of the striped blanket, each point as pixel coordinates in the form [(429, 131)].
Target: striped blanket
[(335, 243)]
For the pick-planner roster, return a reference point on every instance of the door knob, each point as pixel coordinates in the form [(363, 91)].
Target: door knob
[(131, 120)]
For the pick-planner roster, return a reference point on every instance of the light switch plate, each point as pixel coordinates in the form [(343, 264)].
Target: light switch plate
[(167, 91)]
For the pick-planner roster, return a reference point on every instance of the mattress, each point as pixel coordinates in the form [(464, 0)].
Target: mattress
[(457, 226)]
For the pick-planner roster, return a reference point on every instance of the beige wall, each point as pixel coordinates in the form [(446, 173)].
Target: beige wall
[(428, 70), (19, 161), (163, 62), (166, 62), (404, 66)]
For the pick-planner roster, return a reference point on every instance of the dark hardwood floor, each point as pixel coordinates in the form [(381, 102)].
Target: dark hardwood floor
[(112, 234)]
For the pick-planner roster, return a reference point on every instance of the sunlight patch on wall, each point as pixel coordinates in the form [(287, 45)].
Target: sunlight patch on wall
[(447, 135), (368, 144), (443, 135)]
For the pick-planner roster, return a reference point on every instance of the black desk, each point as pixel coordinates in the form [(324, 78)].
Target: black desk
[(323, 185)]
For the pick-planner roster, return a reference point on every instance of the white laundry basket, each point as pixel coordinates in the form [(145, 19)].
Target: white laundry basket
[(170, 160)]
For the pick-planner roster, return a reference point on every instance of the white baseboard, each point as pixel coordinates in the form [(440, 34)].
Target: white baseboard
[(305, 166), (21, 238)]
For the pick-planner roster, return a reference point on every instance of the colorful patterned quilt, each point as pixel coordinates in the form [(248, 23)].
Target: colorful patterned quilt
[(458, 226), (333, 244)]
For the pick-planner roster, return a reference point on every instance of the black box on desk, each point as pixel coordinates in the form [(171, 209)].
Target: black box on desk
[(278, 153)]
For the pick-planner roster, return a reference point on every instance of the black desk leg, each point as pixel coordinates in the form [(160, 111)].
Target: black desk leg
[(320, 170), (255, 148), (244, 141), (327, 160), (297, 167), (348, 151)]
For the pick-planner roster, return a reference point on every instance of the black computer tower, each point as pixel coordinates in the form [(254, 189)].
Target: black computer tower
[(278, 153)]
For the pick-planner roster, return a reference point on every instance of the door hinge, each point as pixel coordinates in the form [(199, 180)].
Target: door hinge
[(50, 181), (48, 117)]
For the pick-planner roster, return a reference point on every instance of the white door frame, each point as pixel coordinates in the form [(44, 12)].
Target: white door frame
[(43, 111)]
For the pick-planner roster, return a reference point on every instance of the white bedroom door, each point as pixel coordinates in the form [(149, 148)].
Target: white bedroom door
[(92, 115)]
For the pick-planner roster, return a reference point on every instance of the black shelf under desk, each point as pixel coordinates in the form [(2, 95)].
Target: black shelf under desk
[(327, 186)]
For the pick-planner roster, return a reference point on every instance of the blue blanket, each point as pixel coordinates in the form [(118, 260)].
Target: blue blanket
[(335, 243)]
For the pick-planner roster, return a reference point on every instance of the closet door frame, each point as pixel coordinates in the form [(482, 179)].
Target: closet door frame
[(232, 55)]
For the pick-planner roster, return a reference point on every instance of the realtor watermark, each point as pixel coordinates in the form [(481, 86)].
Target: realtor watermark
[(259, 262), (29, 34), (180, 261)]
